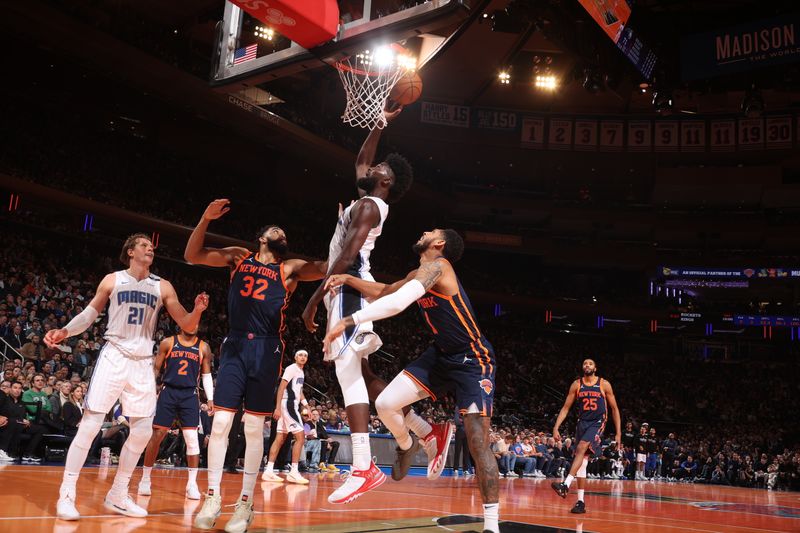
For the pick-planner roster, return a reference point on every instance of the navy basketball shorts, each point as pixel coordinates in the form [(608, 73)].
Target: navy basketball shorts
[(590, 431), (248, 374), (470, 375), (179, 404)]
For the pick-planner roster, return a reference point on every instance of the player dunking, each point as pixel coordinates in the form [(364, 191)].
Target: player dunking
[(288, 420), (460, 359), (124, 369), (181, 357), (261, 286), (595, 397)]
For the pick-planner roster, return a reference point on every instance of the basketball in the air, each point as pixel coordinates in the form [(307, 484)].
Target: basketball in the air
[(407, 90)]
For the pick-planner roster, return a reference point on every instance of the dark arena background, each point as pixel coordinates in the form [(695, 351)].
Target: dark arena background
[(624, 175)]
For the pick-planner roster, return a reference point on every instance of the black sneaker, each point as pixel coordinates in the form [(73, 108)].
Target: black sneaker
[(560, 488), (580, 508), (403, 461)]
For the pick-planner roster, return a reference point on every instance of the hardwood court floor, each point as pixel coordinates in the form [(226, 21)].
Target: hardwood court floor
[(28, 495)]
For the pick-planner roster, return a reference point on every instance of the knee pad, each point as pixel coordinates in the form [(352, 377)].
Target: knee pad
[(192, 443), (351, 380), (141, 431), (253, 427), (582, 470), (221, 426), (91, 422)]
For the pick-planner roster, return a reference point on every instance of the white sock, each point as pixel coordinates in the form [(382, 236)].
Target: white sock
[(361, 451), (127, 464), (217, 446), (146, 473), (192, 476), (568, 481), (248, 485), (491, 516), (69, 481), (417, 424), (294, 468), (580, 495), (270, 467)]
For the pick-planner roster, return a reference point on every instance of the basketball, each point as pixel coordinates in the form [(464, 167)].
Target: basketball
[(407, 90)]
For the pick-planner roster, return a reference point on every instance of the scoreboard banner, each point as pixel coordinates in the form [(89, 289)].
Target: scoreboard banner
[(698, 272)]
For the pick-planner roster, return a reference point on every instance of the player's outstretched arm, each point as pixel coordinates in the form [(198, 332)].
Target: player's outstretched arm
[(198, 254), (365, 216), (562, 415), (366, 156), (85, 318), (187, 321), (163, 349), (303, 270), (612, 404), (426, 277), (369, 289)]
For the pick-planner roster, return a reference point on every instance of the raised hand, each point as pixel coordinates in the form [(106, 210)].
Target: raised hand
[(201, 302), (391, 113), (217, 208), (54, 337), (335, 330), (309, 315)]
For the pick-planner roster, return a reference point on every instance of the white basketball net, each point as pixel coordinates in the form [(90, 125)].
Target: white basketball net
[(367, 81)]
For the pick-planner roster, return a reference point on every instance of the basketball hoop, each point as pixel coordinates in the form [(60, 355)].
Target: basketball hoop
[(368, 78)]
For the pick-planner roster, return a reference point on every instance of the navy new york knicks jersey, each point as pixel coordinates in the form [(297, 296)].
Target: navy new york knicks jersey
[(452, 323), (182, 364), (591, 402), (257, 298)]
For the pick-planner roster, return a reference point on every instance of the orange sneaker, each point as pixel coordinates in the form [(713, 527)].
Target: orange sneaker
[(358, 483), (437, 446)]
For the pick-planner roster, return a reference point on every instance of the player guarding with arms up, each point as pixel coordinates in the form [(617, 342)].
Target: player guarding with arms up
[(124, 369), (288, 420), (261, 285), (460, 359), (595, 397), (181, 358)]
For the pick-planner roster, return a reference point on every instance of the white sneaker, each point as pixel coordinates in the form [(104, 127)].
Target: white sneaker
[(359, 482), (124, 505), (208, 514), (144, 488), (296, 477), (192, 492), (269, 475), (5, 457), (241, 518), (65, 508)]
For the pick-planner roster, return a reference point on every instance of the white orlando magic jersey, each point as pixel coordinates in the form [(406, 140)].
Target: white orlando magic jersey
[(133, 313), (361, 265), (294, 388)]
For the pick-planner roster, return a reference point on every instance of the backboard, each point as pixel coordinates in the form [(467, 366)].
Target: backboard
[(421, 26)]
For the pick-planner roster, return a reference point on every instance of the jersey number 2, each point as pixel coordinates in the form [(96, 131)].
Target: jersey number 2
[(260, 285), (590, 404)]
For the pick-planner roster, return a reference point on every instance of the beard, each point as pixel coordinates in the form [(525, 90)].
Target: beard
[(419, 247), (277, 247), (588, 372), (367, 183)]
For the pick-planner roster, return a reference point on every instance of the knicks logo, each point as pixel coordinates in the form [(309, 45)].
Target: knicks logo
[(486, 385)]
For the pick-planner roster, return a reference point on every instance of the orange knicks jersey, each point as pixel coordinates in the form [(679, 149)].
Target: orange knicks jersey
[(257, 298), (452, 322)]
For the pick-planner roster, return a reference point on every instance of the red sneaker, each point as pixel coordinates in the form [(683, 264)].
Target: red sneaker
[(358, 483), (437, 446)]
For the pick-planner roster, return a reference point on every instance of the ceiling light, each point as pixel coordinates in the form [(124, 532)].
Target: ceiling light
[(546, 83), (504, 76)]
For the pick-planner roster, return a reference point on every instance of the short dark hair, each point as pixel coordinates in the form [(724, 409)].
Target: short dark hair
[(265, 229), (403, 176), (453, 245), (130, 244)]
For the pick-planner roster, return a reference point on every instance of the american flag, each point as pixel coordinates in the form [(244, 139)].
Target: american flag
[(245, 54)]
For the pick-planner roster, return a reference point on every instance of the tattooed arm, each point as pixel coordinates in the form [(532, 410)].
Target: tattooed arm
[(430, 274)]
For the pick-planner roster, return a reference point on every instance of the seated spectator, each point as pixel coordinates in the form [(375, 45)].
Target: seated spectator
[(19, 424), (72, 410), (524, 460), (543, 457), (312, 444), (688, 469), (328, 446), (36, 401)]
